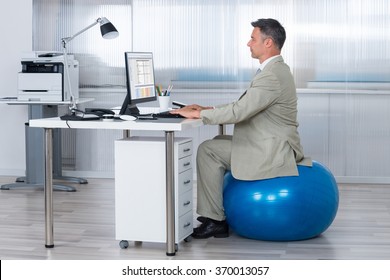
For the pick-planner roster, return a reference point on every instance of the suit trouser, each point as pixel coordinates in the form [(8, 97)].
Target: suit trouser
[(212, 160)]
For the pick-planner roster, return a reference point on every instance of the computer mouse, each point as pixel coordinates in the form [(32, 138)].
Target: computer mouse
[(127, 118)]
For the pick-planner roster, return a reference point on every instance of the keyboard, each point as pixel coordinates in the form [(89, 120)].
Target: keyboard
[(83, 117), (166, 115)]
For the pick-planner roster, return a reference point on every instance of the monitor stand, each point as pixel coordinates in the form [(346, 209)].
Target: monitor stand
[(132, 110)]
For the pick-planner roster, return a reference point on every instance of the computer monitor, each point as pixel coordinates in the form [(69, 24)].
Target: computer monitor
[(139, 80)]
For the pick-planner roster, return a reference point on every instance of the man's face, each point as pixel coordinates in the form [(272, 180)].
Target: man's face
[(256, 44)]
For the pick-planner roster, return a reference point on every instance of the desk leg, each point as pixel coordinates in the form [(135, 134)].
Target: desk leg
[(170, 194), (126, 133), (48, 188), (221, 129)]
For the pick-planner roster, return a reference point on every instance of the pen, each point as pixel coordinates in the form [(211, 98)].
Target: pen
[(158, 88), (169, 90)]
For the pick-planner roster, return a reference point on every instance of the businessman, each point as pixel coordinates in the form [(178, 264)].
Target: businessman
[(265, 141)]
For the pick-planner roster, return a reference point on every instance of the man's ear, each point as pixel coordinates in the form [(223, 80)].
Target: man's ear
[(269, 42)]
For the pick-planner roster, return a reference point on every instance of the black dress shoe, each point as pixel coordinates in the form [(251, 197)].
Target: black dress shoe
[(209, 228), (202, 219)]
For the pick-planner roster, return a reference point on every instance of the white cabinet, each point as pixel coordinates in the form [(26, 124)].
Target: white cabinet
[(140, 191)]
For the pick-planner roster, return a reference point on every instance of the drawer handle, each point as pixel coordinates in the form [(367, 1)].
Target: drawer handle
[(187, 225), (187, 164), (187, 182), (187, 203), (186, 150)]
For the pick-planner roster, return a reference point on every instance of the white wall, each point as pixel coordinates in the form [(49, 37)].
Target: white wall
[(16, 31)]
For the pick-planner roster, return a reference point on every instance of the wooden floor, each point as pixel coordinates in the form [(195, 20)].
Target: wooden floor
[(84, 229)]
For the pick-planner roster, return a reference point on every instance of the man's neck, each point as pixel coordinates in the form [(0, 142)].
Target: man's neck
[(265, 62), (268, 55)]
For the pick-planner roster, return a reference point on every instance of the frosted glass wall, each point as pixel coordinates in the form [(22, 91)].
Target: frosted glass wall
[(327, 40), (336, 40), (101, 61)]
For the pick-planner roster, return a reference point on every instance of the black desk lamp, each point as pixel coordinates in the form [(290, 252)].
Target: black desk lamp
[(108, 31)]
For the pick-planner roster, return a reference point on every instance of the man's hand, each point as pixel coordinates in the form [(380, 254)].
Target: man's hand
[(190, 111)]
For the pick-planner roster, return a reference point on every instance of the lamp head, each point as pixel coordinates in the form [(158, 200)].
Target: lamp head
[(107, 29)]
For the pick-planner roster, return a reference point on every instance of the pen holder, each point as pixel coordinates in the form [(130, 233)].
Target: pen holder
[(164, 103)]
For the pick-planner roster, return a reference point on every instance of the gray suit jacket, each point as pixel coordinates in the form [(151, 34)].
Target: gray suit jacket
[(265, 141)]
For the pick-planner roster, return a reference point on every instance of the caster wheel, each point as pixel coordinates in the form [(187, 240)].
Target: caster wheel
[(124, 244), (176, 247), (188, 239)]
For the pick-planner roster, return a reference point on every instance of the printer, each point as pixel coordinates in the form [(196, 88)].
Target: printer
[(43, 77)]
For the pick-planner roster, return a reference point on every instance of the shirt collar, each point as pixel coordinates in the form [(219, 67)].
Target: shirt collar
[(265, 62)]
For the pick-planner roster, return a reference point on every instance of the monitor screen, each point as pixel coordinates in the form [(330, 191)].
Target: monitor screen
[(139, 80)]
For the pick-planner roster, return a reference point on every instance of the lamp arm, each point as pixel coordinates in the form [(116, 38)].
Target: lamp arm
[(72, 104), (68, 39), (64, 41)]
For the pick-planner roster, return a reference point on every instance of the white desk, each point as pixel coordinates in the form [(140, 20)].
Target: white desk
[(169, 126)]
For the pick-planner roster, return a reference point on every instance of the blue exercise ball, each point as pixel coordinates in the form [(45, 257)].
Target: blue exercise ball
[(284, 208)]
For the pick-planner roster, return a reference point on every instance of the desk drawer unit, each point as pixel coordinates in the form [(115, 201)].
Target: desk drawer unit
[(140, 192)]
